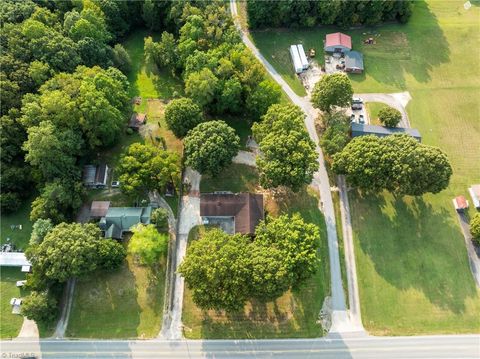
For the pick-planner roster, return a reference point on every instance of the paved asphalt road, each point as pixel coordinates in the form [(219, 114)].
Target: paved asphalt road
[(452, 347)]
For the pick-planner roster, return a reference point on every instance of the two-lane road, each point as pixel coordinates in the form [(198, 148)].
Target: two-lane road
[(461, 347)]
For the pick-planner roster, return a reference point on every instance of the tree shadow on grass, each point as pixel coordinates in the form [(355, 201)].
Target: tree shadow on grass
[(413, 245)]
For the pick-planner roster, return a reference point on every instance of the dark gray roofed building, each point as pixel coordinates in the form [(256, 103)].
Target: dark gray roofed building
[(354, 62), (358, 129), (95, 176)]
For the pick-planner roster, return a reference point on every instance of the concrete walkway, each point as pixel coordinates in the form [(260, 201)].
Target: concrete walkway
[(473, 259), (340, 319), (29, 330), (189, 217), (398, 101)]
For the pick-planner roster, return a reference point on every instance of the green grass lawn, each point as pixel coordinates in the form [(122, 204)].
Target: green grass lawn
[(373, 109), (146, 80), (293, 315), (235, 178), (10, 324), (19, 237), (411, 258), (125, 303)]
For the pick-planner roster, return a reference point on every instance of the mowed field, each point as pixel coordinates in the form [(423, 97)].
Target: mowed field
[(411, 259)]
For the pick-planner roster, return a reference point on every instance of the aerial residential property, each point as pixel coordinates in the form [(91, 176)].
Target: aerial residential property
[(240, 179)]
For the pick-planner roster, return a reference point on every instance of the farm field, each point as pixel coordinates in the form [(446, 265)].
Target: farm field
[(411, 258), (293, 315)]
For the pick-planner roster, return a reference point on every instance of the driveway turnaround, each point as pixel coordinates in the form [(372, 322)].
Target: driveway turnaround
[(398, 101), (332, 347)]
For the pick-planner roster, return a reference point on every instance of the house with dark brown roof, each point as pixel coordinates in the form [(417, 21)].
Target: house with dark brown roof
[(137, 120), (99, 209), (233, 212)]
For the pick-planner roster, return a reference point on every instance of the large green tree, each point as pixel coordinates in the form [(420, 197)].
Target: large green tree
[(74, 250), (53, 152), (398, 163), (210, 147), (201, 86), (146, 168), (261, 98), (296, 240), (182, 115), (147, 244), (58, 201), (288, 154), (332, 90), (216, 269)]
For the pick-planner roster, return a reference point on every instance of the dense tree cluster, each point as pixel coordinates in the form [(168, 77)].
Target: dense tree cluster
[(40, 306), (397, 163), (220, 73), (210, 147), (333, 90), (224, 271), (288, 154), (389, 116), (40, 40), (73, 250), (344, 13)]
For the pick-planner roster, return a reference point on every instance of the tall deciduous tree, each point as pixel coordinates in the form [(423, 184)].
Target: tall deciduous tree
[(217, 270), (147, 244), (182, 115), (261, 98), (332, 90), (201, 86), (288, 154), (397, 163), (147, 168), (74, 250), (210, 147)]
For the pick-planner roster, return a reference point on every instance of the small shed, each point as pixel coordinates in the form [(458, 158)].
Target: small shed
[(99, 209), (354, 62), (95, 176), (460, 203), (137, 120), (337, 42), (358, 129), (475, 194)]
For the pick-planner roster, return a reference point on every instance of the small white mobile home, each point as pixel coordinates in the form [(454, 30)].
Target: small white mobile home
[(297, 63), (303, 57)]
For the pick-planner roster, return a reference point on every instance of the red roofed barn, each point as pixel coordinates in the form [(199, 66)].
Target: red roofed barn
[(338, 42)]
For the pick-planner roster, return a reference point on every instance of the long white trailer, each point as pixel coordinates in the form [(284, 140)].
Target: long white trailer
[(297, 63), (303, 57)]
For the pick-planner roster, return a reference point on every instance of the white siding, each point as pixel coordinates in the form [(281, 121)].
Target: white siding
[(297, 63), (303, 57)]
